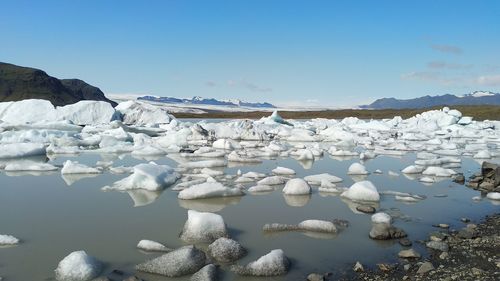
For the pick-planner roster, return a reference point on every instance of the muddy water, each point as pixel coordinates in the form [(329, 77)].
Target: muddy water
[(54, 216)]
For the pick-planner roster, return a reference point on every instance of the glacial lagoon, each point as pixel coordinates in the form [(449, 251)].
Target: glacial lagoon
[(54, 215)]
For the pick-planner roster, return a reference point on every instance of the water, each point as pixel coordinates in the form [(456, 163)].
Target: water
[(53, 218)]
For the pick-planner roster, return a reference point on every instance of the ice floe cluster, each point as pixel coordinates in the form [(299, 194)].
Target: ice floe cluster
[(33, 133)]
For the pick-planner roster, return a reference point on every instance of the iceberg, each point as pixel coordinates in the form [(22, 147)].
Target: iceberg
[(18, 150), (209, 190), (203, 227), (78, 266), (226, 250), (73, 167), (149, 176), (362, 191), (275, 263), (296, 187), (180, 262)]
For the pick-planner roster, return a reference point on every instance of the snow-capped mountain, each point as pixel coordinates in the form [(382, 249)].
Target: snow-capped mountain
[(474, 98), (207, 101)]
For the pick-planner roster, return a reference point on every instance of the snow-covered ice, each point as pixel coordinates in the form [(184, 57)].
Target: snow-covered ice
[(148, 176), (180, 262), (357, 169), (203, 227), (274, 263), (209, 190), (6, 239), (226, 250), (78, 266), (149, 245), (362, 191), (73, 167), (296, 186)]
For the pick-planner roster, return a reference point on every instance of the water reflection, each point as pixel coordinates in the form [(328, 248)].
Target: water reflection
[(297, 200), (210, 204), (70, 179), (143, 197)]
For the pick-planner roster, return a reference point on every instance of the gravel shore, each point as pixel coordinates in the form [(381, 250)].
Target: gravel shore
[(473, 253)]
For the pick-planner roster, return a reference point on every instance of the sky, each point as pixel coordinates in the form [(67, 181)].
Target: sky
[(288, 52)]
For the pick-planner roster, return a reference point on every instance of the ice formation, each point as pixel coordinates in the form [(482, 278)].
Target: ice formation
[(362, 191), (149, 245), (150, 176), (357, 169), (203, 227), (73, 167), (78, 266), (296, 187), (226, 250), (8, 240), (180, 262), (209, 190), (275, 263)]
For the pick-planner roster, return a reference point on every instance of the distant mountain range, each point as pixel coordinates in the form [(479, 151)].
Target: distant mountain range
[(474, 98), (19, 83), (207, 101)]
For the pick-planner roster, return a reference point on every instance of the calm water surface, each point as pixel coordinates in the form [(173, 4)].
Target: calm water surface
[(54, 216)]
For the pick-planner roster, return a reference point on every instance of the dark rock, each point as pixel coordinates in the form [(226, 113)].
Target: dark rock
[(465, 220), (381, 231), (425, 267), (438, 245), (405, 242), (491, 171), (459, 178), (366, 209)]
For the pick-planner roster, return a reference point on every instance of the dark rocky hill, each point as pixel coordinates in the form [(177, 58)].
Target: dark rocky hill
[(19, 83)]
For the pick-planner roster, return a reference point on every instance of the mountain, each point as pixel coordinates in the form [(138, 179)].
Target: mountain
[(474, 98), (19, 83), (209, 101)]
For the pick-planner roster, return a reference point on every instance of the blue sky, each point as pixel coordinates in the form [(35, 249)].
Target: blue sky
[(336, 53)]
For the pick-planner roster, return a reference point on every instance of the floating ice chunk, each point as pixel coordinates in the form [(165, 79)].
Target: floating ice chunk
[(29, 166), (211, 172), (367, 155), (152, 246), (78, 266), (272, 180), (149, 176), (318, 226), (16, 150), (455, 113), (121, 170), (235, 157), (357, 169), (273, 264), (209, 190), (143, 114), (254, 175), (203, 227), (224, 144), (381, 218), (206, 273), (283, 171), (226, 250), (483, 154), (438, 172), (180, 262), (244, 180), (362, 191), (8, 240), (296, 187), (465, 120), (413, 169), (317, 179), (493, 195), (277, 118), (204, 164), (304, 154), (87, 112), (73, 167), (260, 188)]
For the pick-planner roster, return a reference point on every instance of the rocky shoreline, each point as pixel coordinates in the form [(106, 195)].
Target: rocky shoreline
[(471, 253)]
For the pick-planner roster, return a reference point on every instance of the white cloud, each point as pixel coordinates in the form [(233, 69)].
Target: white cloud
[(489, 80), (448, 65), (447, 49)]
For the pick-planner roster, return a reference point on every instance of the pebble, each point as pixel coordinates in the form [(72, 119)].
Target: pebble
[(444, 255), (410, 253), (366, 209), (425, 267), (438, 245), (405, 242)]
